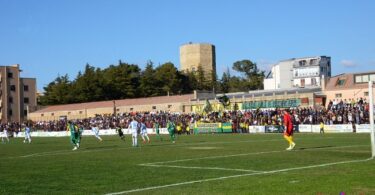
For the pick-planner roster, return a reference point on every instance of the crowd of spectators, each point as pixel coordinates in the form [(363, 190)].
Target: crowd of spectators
[(337, 112)]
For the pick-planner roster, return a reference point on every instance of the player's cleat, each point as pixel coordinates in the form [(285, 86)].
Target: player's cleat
[(77, 145), (289, 148), (144, 141), (173, 142), (75, 148), (24, 141), (293, 145), (149, 141)]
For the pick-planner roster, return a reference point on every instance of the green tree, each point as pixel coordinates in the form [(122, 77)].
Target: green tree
[(122, 81), (148, 81), (168, 79), (57, 91), (253, 76), (225, 82), (88, 86)]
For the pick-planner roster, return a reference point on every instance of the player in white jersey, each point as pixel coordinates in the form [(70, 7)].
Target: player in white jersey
[(5, 135), (95, 130), (144, 133), (133, 126), (27, 134)]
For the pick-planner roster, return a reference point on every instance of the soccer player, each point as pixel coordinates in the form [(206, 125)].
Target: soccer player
[(288, 130), (120, 133), (73, 135), (156, 127), (144, 133), (5, 134), (78, 133), (95, 130), (133, 126), (171, 128), (321, 127), (27, 134)]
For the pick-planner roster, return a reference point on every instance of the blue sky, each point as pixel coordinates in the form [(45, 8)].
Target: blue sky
[(51, 37)]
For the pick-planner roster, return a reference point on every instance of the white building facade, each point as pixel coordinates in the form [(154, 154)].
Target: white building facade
[(298, 72)]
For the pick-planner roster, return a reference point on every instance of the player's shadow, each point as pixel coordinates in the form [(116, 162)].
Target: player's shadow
[(317, 147)]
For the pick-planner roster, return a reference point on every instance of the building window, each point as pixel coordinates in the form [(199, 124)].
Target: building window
[(340, 82), (24, 112), (10, 100), (10, 112), (10, 75), (69, 113), (26, 100), (13, 88), (313, 82), (365, 93), (169, 106), (80, 112), (41, 114), (118, 109), (154, 107), (131, 109), (358, 79), (26, 88), (365, 78), (52, 114), (338, 95)]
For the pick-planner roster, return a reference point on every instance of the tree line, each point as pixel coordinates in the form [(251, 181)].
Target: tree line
[(125, 80)]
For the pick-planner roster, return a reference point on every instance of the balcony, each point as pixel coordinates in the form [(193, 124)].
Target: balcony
[(306, 63)]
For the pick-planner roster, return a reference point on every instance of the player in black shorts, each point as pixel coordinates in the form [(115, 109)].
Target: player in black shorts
[(120, 133)]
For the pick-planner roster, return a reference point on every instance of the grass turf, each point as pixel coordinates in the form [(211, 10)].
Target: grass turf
[(195, 164)]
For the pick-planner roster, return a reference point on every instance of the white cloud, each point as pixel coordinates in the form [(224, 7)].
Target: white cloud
[(348, 63)]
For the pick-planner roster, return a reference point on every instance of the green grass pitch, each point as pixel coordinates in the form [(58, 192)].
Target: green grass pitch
[(195, 164)]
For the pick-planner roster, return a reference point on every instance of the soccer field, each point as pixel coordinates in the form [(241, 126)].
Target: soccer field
[(195, 164)]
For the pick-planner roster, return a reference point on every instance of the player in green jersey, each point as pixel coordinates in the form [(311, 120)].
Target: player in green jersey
[(156, 127), (74, 136), (171, 129)]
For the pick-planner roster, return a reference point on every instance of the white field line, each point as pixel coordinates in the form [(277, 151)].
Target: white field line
[(53, 153), (67, 152), (205, 168), (350, 151), (244, 154), (240, 175)]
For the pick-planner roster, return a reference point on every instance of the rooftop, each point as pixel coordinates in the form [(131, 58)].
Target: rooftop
[(118, 103)]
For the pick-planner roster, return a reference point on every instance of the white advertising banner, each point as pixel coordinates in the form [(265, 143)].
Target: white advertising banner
[(257, 129), (304, 128), (338, 128), (85, 132), (363, 128), (315, 128)]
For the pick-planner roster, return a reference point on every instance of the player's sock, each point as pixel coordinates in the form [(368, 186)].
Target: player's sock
[(287, 139)]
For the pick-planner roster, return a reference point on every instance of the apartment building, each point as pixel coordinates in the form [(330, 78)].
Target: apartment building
[(17, 95)]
